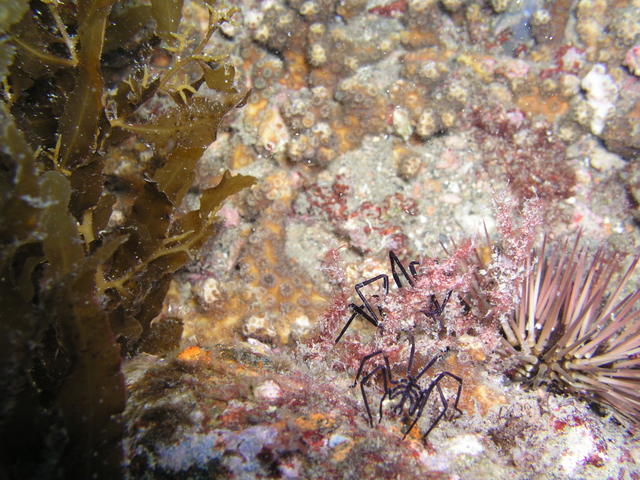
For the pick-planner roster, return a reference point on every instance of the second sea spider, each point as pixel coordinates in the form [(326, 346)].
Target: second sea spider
[(368, 312), (410, 395)]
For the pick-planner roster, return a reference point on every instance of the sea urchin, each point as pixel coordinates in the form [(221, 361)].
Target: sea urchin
[(574, 327)]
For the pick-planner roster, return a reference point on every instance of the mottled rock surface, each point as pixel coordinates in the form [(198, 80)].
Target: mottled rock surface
[(392, 126)]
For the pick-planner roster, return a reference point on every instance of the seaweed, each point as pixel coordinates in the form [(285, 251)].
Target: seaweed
[(79, 290)]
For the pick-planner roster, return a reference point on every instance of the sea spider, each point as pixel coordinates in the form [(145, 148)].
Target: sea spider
[(367, 311), (407, 389)]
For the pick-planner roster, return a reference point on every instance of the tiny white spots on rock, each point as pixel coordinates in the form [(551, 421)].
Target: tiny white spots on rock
[(465, 445), (268, 390)]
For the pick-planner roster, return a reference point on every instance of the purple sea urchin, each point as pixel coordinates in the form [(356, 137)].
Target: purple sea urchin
[(573, 326)]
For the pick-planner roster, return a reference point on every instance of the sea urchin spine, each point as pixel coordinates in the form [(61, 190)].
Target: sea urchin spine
[(573, 326)]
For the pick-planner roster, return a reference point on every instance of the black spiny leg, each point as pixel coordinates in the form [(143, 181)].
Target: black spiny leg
[(412, 353), (407, 390), (393, 259), (362, 362), (427, 367), (445, 404), (423, 403), (357, 310), (366, 310), (387, 388), (458, 392), (426, 393), (412, 268), (367, 305), (436, 309), (363, 382)]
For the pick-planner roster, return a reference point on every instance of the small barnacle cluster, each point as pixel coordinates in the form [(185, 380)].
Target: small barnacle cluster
[(346, 59), (413, 113), (425, 26), (348, 9), (314, 10), (265, 71), (335, 50), (408, 162), (363, 100), (427, 66), (368, 41), (308, 114), (278, 27), (429, 70), (319, 47)]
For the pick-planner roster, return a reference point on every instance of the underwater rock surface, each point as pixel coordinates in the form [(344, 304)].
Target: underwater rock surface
[(377, 126), (458, 134)]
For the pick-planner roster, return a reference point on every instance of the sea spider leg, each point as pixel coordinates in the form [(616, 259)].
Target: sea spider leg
[(391, 380), (362, 362), (411, 355), (393, 259), (366, 310), (363, 382), (415, 402), (436, 309), (367, 376), (459, 390), (425, 397), (427, 367), (367, 305), (357, 310), (426, 393), (412, 268), (444, 302), (387, 390)]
